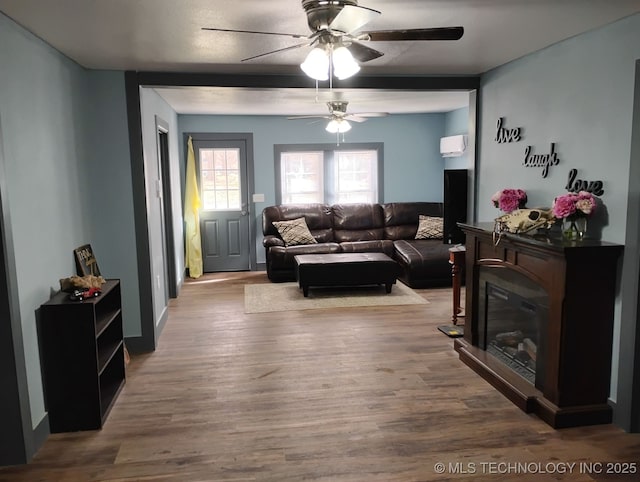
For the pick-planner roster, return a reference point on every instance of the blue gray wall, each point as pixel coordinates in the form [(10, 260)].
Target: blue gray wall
[(578, 94), (412, 162), (42, 104), (456, 123), (110, 198), (68, 178)]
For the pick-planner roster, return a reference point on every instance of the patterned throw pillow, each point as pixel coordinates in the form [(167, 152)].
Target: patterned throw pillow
[(430, 227), (294, 232)]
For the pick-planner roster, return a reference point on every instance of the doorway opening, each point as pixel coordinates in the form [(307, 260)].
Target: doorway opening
[(166, 218), (224, 167)]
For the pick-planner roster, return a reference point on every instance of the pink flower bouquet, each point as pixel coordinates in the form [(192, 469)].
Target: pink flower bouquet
[(509, 199), (572, 206)]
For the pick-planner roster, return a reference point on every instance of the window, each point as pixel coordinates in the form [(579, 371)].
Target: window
[(356, 176), (350, 173), (220, 179), (301, 177)]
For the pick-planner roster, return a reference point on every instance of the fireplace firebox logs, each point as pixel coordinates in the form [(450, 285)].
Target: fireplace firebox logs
[(510, 338)]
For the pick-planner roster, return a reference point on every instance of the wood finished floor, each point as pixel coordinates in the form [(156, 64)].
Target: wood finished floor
[(358, 394)]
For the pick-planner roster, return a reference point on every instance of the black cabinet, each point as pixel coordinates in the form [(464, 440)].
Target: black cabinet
[(455, 204), (82, 358)]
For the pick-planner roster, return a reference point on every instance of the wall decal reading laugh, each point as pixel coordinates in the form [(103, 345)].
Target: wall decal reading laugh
[(541, 160)]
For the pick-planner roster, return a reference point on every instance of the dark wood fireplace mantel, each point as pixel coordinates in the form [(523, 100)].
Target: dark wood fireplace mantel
[(579, 279)]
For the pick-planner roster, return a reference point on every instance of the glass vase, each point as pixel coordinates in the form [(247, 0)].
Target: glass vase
[(574, 229)]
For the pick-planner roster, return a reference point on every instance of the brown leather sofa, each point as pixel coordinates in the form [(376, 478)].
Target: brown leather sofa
[(356, 228)]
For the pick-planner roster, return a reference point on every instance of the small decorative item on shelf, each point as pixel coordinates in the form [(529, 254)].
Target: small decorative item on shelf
[(574, 209), (522, 221), (508, 200), (84, 293), (81, 283)]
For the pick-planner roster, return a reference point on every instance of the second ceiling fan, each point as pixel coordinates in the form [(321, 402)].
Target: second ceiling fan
[(338, 117), (337, 37)]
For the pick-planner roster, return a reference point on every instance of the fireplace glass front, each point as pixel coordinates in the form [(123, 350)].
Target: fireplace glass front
[(515, 312)]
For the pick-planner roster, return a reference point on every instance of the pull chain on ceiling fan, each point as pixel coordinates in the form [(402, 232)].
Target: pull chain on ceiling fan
[(337, 39)]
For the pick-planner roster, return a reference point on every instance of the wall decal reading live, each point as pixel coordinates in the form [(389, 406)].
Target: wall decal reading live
[(541, 160), (506, 135), (577, 185)]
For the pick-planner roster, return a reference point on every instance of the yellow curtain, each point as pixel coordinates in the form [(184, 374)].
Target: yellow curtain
[(192, 206)]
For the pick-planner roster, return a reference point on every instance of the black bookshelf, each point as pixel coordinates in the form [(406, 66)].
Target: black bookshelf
[(82, 358)]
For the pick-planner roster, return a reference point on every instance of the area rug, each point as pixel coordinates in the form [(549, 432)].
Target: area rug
[(265, 297)]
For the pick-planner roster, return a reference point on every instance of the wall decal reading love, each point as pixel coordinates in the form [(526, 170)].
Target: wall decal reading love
[(577, 185)]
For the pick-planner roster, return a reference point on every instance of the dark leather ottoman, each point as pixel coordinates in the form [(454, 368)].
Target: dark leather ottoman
[(345, 269)]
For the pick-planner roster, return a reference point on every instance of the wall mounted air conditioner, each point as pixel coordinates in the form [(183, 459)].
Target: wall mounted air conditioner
[(453, 146)]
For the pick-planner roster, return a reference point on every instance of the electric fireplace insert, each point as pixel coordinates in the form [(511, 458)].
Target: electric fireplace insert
[(513, 310)]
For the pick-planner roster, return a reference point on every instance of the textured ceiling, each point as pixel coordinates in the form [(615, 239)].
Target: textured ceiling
[(166, 35)]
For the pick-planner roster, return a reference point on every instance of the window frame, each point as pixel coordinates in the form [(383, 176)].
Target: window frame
[(328, 164)]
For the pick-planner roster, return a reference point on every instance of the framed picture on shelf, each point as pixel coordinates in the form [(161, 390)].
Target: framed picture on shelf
[(86, 263)]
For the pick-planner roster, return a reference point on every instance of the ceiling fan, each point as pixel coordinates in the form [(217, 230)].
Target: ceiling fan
[(338, 117), (336, 36)]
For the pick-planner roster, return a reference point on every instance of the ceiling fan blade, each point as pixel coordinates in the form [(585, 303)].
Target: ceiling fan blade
[(352, 17), (440, 33), (354, 118), (373, 114), (362, 53), (291, 47), (308, 117), (364, 116), (293, 35)]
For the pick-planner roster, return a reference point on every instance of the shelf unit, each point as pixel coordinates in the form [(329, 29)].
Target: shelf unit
[(82, 358)]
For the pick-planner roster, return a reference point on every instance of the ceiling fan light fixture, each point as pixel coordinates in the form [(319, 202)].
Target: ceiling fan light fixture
[(338, 126), (316, 65), (344, 65)]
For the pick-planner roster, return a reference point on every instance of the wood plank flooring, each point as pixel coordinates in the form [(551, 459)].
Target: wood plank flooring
[(358, 394)]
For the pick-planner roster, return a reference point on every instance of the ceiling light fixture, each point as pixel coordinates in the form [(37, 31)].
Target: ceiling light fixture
[(320, 60), (338, 126), (316, 65), (344, 65)]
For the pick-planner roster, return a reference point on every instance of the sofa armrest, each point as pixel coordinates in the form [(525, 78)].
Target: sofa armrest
[(271, 240)]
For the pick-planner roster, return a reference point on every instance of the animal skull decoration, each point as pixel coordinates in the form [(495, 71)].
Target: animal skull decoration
[(522, 221)]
